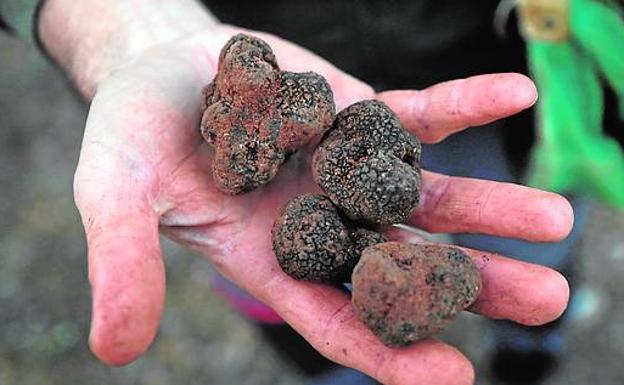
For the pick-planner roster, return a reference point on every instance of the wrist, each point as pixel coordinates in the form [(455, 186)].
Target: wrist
[(89, 39)]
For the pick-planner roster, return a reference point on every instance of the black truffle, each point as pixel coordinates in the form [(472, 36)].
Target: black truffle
[(405, 292), (255, 114), (313, 242), (369, 165)]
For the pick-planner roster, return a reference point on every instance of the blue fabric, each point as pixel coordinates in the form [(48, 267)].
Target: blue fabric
[(548, 339), (342, 376)]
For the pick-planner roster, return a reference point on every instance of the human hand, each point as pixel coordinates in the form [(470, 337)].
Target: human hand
[(143, 167)]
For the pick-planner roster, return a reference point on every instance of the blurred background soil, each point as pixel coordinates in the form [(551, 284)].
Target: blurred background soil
[(44, 292)]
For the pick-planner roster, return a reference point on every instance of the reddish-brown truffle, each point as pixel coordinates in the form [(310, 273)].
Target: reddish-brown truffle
[(254, 114), (313, 242), (406, 292), (369, 165)]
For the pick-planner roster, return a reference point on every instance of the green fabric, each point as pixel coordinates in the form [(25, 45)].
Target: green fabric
[(19, 14), (572, 154), (599, 28)]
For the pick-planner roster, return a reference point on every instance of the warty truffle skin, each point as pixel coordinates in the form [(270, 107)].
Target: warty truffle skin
[(369, 165), (313, 242), (405, 292), (254, 114)]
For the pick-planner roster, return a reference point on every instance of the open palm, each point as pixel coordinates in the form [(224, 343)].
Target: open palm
[(144, 168)]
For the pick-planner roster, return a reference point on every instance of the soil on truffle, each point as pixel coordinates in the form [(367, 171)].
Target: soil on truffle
[(405, 292), (314, 242), (254, 114), (369, 165)]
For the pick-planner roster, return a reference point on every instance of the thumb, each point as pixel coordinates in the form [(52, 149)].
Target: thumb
[(126, 270)]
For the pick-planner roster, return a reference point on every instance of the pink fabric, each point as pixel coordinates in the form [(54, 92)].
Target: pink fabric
[(245, 304)]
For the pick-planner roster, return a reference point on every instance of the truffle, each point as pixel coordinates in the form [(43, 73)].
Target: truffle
[(313, 242), (254, 115), (369, 165), (405, 292)]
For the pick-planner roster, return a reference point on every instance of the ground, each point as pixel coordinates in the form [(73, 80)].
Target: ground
[(44, 292)]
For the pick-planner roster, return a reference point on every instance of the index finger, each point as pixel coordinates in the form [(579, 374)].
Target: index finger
[(446, 108), (465, 205)]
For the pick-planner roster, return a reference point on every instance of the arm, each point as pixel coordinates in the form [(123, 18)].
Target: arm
[(89, 39)]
